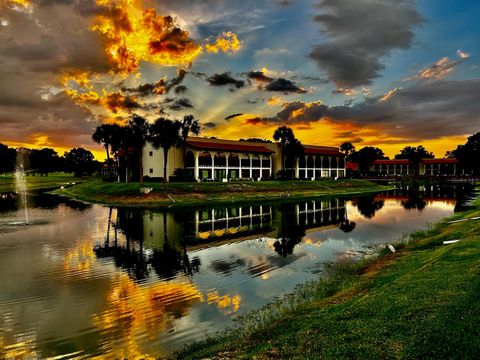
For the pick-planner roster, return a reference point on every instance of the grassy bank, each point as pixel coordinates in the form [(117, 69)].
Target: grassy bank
[(421, 302), (208, 193), (34, 183)]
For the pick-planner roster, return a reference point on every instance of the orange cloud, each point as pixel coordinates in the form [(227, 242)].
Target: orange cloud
[(226, 42)]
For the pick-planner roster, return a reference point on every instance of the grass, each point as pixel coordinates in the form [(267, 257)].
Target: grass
[(38, 183), (209, 193), (421, 302)]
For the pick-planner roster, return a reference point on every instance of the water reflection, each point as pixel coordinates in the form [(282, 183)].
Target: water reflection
[(94, 281)]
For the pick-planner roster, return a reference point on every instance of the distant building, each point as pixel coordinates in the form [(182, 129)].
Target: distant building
[(427, 167), (224, 160)]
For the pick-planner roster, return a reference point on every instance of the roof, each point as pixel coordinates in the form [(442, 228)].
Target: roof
[(322, 150), (237, 147), (392, 162), (352, 166), (440, 161)]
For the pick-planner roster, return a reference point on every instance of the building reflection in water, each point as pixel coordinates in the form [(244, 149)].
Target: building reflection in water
[(159, 242)]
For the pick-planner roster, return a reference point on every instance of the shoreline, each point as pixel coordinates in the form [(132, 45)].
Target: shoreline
[(180, 195), (390, 305)]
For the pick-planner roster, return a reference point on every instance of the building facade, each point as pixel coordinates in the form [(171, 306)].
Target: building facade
[(426, 167), (225, 160)]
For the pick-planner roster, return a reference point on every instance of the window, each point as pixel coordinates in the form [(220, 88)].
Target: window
[(150, 153), (150, 171)]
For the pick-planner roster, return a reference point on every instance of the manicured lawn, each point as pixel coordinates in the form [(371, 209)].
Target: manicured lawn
[(420, 303), (207, 193), (52, 181)]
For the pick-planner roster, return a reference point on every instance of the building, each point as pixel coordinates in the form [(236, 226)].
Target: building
[(224, 160), (426, 167)]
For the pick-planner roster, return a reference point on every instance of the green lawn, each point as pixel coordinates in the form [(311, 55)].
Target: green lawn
[(208, 193), (421, 303), (52, 181)]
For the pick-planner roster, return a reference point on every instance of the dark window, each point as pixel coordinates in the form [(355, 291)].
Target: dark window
[(150, 153), (151, 171)]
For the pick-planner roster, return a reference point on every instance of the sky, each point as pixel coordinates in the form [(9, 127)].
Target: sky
[(385, 73)]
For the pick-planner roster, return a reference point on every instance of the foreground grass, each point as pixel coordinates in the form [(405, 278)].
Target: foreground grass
[(34, 183), (200, 193), (421, 302)]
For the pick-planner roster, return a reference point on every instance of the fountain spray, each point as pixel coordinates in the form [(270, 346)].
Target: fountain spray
[(21, 184)]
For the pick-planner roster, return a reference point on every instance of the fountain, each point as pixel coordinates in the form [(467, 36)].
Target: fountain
[(21, 184)]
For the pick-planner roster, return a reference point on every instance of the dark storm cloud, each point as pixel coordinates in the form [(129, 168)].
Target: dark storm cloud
[(225, 79), (36, 49), (181, 104), (181, 89), (274, 84), (210, 125), (360, 33), (285, 86), (424, 111), (161, 87), (259, 76), (230, 117)]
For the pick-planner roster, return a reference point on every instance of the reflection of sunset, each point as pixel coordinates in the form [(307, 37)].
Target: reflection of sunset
[(135, 310), (228, 304), (24, 348), (80, 258)]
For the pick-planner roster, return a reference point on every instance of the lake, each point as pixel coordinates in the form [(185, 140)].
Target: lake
[(87, 280)]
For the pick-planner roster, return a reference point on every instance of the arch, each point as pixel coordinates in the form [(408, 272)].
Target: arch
[(266, 161), (245, 161), (220, 160), (310, 162), (205, 159), (334, 162), (302, 162), (233, 160), (256, 161), (318, 162), (189, 160), (326, 162)]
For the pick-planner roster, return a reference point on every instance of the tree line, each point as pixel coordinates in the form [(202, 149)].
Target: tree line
[(466, 154), (44, 161)]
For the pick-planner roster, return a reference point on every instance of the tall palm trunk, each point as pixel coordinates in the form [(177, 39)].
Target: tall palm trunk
[(108, 159), (165, 160), (140, 165)]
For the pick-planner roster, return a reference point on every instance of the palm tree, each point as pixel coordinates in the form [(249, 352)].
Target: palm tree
[(188, 125), (285, 135), (104, 134), (347, 148), (139, 129), (164, 133), (294, 149)]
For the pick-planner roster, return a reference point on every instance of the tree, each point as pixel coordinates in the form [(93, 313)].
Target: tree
[(366, 156), (284, 135), (139, 129), (44, 161), (7, 159), (105, 134), (347, 148), (188, 125), (164, 133), (294, 149), (469, 153), (79, 161), (414, 154)]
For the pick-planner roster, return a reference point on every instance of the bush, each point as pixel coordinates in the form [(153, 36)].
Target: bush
[(182, 175), (152, 179)]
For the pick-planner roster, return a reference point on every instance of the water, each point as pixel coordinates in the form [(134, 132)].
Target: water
[(86, 281)]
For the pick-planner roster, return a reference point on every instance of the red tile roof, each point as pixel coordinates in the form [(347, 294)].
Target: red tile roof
[(322, 150), (392, 162), (440, 161), (204, 145)]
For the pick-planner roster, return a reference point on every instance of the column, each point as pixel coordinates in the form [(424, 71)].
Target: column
[(226, 170), (297, 170), (250, 161), (196, 174), (213, 165)]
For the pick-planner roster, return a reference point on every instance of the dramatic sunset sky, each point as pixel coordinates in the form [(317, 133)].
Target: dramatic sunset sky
[(385, 73)]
